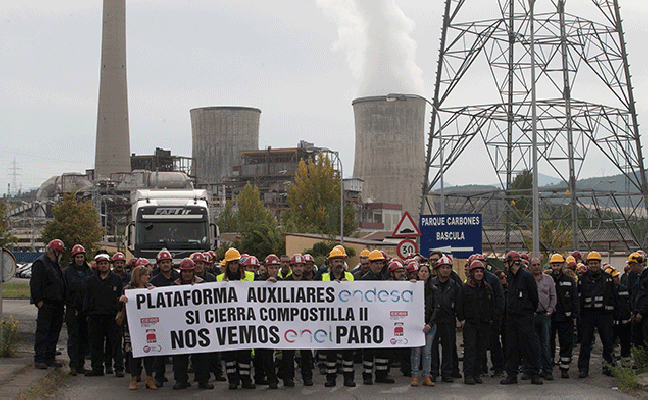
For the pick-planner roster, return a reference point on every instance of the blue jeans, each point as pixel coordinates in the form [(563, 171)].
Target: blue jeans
[(427, 354), (543, 341)]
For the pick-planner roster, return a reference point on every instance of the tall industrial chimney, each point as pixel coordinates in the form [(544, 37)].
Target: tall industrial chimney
[(112, 151), (389, 149)]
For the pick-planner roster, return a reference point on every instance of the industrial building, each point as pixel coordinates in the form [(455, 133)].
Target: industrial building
[(218, 135), (389, 149)]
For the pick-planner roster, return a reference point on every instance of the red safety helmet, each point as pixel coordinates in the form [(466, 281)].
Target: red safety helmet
[(187, 264), (102, 257), (445, 260), (77, 249), (480, 257), (572, 265), (512, 256), (412, 266), (474, 265), (272, 260), (385, 256), (196, 257), (581, 269), (131, 263), (525, 256), (308, 258), (296, 259), (251, 260), (93, 266), (576, 255), (395, 265), (119, 257), (141, 262), (163, 255), (56, 245), (213, 255), (208, 257)]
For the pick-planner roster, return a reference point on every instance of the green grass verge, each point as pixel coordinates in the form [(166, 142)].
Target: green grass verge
[(15, 290), (47, 386)]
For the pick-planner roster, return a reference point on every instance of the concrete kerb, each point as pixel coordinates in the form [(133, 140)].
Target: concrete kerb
[(18, 375)]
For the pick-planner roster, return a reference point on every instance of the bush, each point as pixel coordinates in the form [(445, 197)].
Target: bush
[(10, 331), (624, 374)]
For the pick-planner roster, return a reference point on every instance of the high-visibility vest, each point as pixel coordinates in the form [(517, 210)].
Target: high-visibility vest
[(249, 276), (347, 275)]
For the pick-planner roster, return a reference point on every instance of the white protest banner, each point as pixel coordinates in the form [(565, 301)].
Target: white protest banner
[(221, 316)]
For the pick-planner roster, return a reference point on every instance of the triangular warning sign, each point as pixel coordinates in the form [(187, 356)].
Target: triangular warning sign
[(406, 227)]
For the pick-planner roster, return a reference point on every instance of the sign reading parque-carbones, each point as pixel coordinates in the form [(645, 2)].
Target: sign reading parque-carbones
[(222, 316)]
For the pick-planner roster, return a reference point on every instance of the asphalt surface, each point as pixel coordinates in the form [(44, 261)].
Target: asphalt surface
[(596, 386)]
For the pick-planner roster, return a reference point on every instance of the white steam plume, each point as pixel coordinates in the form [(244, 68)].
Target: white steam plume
[(375, 34)]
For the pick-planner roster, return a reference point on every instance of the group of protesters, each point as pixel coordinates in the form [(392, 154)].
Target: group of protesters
[(514, 314)]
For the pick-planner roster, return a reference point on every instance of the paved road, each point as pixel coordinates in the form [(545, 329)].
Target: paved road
[(596, 386), (111, 387)]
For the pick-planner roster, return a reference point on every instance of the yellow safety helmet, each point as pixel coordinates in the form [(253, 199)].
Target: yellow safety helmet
[(232, 255), (341, 248), (376, 256), (556, 258), (336, 253), (612, 271), (364, 254), (635, 258), (570, 259), (593, 256)]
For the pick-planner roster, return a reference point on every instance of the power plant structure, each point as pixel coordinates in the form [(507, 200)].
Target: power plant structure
[(390, 132), (112, 146), (218, 134), (534, 52)]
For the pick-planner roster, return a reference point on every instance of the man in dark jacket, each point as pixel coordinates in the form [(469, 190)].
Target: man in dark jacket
[(494, 343), (101, 304), (599, 301), (522, 304), (166, 277), (48, 294), (372, 356), (446, 321), (200, 361), (475, 306), (119, 267), (562, 320), (200, 264), (287, 367), (622, 328), (638, 289), (76, 277)]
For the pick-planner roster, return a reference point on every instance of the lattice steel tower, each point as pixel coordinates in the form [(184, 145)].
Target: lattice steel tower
[(567, 128)]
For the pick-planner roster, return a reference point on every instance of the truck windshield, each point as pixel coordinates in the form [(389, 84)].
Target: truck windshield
[(172, 232)]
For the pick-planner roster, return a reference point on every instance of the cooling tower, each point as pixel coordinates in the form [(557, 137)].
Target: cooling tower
[(218, 134), (112, 151), (389, 149)]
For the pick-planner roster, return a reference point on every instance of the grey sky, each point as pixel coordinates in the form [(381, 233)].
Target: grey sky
[(282, 56)]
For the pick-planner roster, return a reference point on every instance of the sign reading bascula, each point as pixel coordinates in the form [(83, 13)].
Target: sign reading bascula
[(459, 235)]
